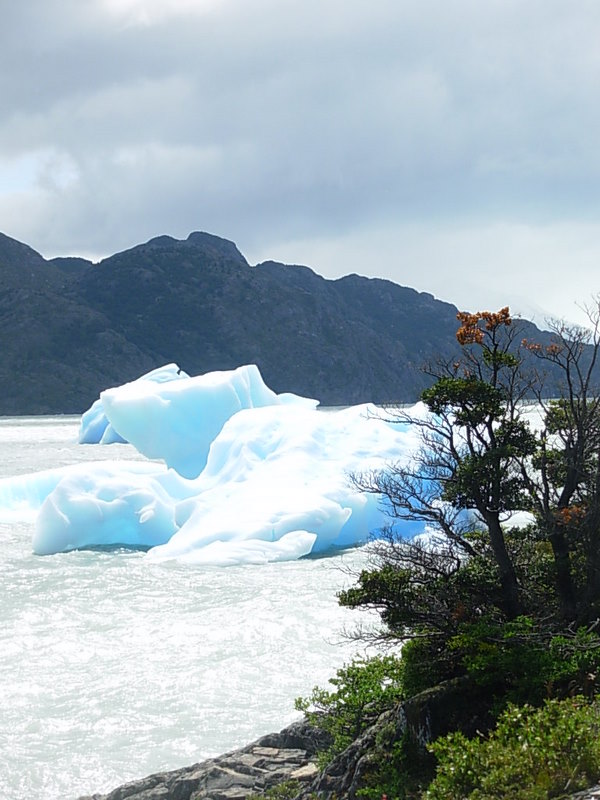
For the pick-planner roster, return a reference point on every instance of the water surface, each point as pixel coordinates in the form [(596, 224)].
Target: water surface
[(113, 667)]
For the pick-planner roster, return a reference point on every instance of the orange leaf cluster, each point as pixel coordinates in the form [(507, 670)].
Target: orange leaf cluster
[(470, 331), (572, 515), (553, 349)]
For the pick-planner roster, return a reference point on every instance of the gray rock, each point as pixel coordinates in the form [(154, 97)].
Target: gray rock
[(271, 760), (593, 793)]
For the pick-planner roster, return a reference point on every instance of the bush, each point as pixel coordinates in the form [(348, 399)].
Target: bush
[(363, 690), (283, 791), (397, 768), (427, 662), (533, 754), (519, 662)]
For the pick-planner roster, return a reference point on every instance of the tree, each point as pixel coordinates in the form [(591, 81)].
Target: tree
[(480, 459), (473, 442), (564, 484)]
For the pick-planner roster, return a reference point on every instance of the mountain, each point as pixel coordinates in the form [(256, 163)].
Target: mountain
[(69, 328)]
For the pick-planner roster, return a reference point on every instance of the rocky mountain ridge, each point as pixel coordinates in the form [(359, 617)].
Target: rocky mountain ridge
[(69, 328)]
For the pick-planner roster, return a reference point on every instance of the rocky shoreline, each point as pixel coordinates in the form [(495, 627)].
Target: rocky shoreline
[(267, 762), (291, 755)]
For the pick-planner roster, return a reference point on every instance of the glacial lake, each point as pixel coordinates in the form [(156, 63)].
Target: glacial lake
[(113, 667)]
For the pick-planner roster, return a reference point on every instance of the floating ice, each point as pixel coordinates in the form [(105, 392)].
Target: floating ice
[(177, 420), (95, 427), (274, 471), (21, 497), (269, 475), (104, 507)]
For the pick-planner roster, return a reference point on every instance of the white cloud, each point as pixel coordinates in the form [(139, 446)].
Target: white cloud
[(415, 139), (152, 12)]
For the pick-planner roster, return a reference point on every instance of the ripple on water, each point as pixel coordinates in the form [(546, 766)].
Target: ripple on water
[(114, 667)]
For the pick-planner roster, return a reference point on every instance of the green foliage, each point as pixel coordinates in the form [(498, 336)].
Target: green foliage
[(535, 568), (492, 466), (576, 663), (397, 768), (506, 659), (533, 754), (283, 791), (363, 690), (390, 590), (498, 358), (520, 663), (558, 417), (473, 401), (418, 591), (427, 662)]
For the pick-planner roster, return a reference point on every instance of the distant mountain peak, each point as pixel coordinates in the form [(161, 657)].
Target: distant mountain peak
[(199, 241), (160, 241), (222, 246), (17, 253)]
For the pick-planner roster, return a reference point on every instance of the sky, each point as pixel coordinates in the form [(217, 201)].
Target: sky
[(453, 147)]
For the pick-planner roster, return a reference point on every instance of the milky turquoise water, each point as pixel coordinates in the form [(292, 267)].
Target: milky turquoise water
[(112, 667)]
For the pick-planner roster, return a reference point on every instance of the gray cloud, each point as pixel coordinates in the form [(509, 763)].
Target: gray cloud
[(298, 128)]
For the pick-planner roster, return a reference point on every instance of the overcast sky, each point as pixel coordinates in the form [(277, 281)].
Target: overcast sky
[(448, 145)]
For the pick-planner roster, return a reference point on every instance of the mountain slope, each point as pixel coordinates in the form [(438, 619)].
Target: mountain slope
[(199, 303), (70, 328)]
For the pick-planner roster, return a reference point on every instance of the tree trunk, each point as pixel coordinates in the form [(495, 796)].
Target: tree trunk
[(564, 576), (508, 577)]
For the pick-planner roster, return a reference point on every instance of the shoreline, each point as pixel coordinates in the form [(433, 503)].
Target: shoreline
[(270, 760)]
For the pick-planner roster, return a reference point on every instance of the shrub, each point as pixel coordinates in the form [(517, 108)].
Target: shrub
[(533, 754), (398, 768), (427, 662), (519, 662), (283, 791), (363, 690)]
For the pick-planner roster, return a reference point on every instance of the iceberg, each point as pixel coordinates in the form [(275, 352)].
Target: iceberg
[(275, 471), (104, 507), (177, 420), (241, 475), (21, 497), (95, 427)]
